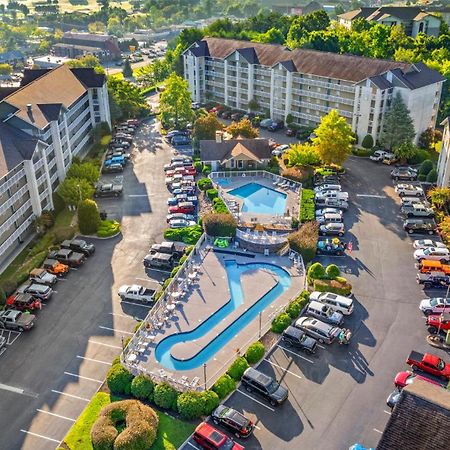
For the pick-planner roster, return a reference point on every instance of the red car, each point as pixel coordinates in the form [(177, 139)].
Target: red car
[(184, 208), (405, 378), (211, 438), (186, 170), (23, 302), (439, 322), (429, 363)]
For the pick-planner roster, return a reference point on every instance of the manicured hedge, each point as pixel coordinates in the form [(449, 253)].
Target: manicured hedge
[(142, 388), (119, 380), (316, 271), (255, 352), (304, 241), (363, 152), (205, 183), (108, 228), (212, 193), (219, 206), (223, 225), (332, 271), (339, 286), (88, 217), (224, 385), (165, 396), (188, 235), (307, 210), (238, 367), (280, 323)]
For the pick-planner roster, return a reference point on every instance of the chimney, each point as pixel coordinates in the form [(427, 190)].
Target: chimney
[(29, 107), (219, 136)]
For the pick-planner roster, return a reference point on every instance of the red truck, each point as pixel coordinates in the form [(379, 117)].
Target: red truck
[(429, 363), (23, 302), (438, 322)]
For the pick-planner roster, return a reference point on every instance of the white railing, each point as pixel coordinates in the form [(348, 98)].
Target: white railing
[(312, 82), (12, 181), (16, 196), (262, 238), (13, 238)]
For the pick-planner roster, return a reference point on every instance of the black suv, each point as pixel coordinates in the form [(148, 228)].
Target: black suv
[(233, 420), (80, 246), (433, 280), (297, 338), (404, 173), (276, 125), (108, 190), (423, 226), (267, 387)]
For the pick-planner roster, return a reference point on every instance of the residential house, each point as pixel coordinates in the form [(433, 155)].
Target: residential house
[(12, 57), (443, 166)]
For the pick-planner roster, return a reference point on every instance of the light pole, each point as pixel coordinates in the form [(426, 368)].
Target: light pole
[(204, 374), (260, 319)]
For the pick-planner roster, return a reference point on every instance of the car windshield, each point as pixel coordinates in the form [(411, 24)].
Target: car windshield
[(426, 251), (273, 386), (227, 445), (410, 379), (441, 365), (435, 301)]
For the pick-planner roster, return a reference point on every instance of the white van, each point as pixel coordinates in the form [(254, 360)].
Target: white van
[(330, 218), (337, 302)]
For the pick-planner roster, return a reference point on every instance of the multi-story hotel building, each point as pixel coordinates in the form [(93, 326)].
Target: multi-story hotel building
[(308, 84), (43, 124), (443, 166)]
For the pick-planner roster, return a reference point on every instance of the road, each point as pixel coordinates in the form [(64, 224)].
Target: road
[(48, 375), (337, 397)]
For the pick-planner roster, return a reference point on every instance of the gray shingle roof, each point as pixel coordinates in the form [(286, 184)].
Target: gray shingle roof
[(210, 150)]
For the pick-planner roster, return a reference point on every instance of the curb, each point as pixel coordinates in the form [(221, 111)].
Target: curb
[(98, 237)]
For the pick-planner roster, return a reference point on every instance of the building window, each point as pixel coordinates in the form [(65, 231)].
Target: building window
[(421, 27), (240, 163)]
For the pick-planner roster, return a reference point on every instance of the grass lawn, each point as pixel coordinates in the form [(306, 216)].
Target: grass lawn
[(171, 432)]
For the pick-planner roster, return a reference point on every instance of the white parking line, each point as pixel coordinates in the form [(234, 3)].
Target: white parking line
[(370, 196), (137, 195), (55, 415), (40, 436), (254, 399), (294, 353), (105, 345), (256, 426), (83, 378), (94, 360), (6, 387), (136, 304), (282, 368), (387, 412), (378, 431), (71, 395), (115, 331), (73, 268), (192, 445)]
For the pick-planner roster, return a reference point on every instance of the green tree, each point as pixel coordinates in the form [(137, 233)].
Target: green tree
[(367, 141), (87, 61), (5, 69), (333, 139), (432, 176), (127, 70), (114, 26), (440, 198), (243, 128), (253, 105), (303, 25), (303, 155), (88, 217), (205, 127), (405, 151), (74, 190), (426, 139), (87, 171), (126, 99), (175, 102), (271, 36)]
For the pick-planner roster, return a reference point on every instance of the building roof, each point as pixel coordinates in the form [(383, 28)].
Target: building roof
[(256, 149), (87, 36), (406, 13), (381, 82), (83, 48), (15, 147), (420, 420), (11, 55), (357, 13), (89, 77)]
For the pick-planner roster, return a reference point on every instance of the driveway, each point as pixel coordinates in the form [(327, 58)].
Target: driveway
[(48, 375), (337, 397)]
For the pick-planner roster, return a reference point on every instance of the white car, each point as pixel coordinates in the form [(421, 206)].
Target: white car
[(434, 254), (332, 194), (181, 223), (278, 151), (330, 218), (323, 211), (411, 201), (379, 155), (337, 302), (435, 305), (425, 243), (327, 187), (410, 190)]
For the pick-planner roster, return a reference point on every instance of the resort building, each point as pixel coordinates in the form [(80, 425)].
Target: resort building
[(44, 123), (443, 166), (413, 19), (308, 84)]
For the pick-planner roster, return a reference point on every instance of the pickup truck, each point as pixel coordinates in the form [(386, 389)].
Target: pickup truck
[(66, 256), (23, 302), (55, 267), (429, 363), (417, 210), (39, 291), (136, 293), (438, 323), (172, 248), (433, 280), (12, 319), (80, 246), (41, 276)]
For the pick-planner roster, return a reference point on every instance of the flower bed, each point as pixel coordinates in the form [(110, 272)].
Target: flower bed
[(108, 228)]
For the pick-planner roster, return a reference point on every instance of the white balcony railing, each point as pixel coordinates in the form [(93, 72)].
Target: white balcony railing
[(12, 181), (13, 199), (13, 238), (16, 216)]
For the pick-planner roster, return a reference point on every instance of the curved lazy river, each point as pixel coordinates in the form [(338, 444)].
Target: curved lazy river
[(234, 272)]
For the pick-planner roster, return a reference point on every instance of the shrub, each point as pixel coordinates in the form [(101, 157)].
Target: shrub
[(188, 235), (119, 380), (2, 297), (418, 157), (205, 183), (426, 167), (432, 176), (190, 405), (339, 286), (280, 323), (307, 210), (142, 388), (175, 271), (219, 206), (63, 233), (115, 361), (332, 271), (237, 369), (210, 401), (422, 177), (224, 385), (58, 202), (88, 217), (363, 152), (220, 224), (367, 142), (206, 169), (294, 308), (108, 228), (316, 271), (165, 396), (212, 193), (255, 352), (198, 167), (304, 241)]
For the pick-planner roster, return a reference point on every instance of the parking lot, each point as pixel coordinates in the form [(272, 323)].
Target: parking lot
[(338, 396), (48, 374)]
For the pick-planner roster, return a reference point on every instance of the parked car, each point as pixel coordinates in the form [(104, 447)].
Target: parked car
[(55, 267), (108, 190), (317, 329), (411, 201), (434, 305), (180, 140), (169, 247), (255, 381), (181, 223), (236, 115), (333, 247), (432, 254), (405, 378), (210, 438), (80, 246), (23, 302), (417, 210), (429, 363), (278, 151), (13, 319), (118, 152), (265, 123), (136, 293), (68, 257), (39, 291), (433, 280), (325, 313), (327, 187), (404, 173), (323, 211), (332, 229), (337, 302), (291, 132), (112, 168), (330, 218), (428, 266), (380, 155), (438, 323), (299, 339), (162, 261), (115, 160), (185, 208), (332, 202), (233, 420), (409, 190), (276, 125), (425, 226), (41, 276), (389, 159), (425, 243), (188, 217), (332, 195)]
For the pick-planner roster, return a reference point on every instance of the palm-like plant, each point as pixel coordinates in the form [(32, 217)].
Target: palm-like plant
[(440, 198)]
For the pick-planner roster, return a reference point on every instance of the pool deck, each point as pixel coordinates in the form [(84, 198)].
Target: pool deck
[(203, 299), (292, 200)]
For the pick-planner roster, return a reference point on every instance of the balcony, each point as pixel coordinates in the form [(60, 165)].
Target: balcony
[(326, 97), (262, 83), (13, 238), (12, 181), (313, 82), (13, 199)]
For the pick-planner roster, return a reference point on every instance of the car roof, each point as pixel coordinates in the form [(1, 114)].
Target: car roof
[(208, 431), (258, 376)]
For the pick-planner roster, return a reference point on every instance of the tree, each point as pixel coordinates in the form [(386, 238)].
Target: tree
[(405, 151), (205, 127), (333, 140), (96, 27), (74, 190), (88, 217), (86, 171), (253, 105), (432, 176), (303, 155), (440, 198), (127, 70), (126, 99), (303, 25), (114, 26), (367, 141), (398, 126), (289, 120), (426, 139), (5, 69), (89, 61), (243, 128), (175, 102)]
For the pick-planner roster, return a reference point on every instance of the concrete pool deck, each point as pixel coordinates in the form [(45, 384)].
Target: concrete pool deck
[(201, 301)]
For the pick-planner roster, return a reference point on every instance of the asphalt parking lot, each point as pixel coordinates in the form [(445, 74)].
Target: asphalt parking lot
[(338, 396), (48, 374)]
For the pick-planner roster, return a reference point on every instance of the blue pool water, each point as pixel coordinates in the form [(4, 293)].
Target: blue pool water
[(259, 199), (223, 182), (234, 272)]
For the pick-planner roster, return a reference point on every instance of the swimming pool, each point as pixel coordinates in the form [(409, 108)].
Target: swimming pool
[(234, 272), (259, 199)]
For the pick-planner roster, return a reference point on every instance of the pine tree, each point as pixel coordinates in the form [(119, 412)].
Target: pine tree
[(398, 127), (127, 70)]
